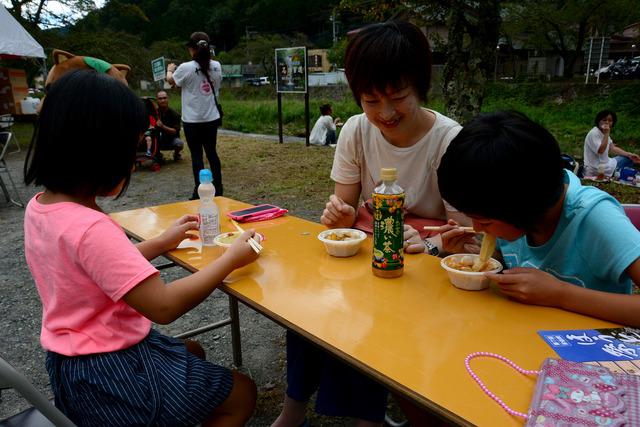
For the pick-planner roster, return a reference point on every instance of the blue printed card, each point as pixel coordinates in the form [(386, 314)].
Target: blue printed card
[(588, 345)]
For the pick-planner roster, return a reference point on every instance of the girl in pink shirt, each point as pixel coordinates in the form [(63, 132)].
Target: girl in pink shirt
[(99, 292)]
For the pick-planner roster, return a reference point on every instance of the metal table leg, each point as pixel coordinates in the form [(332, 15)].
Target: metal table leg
[(235, 331)]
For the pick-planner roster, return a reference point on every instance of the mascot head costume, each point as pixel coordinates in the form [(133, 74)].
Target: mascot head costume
[(65, 61)]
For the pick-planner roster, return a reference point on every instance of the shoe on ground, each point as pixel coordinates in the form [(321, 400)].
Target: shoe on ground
[(333, 145), (177, 156)]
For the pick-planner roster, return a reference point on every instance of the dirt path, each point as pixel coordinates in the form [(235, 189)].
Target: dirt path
[(262, 340)]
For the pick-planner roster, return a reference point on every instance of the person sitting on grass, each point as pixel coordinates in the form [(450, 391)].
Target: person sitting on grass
[(597, 145), (564, 245), (100, 294), (324, 131)]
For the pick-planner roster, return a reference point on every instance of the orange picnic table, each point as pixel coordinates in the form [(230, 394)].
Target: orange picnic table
[(410, 334)]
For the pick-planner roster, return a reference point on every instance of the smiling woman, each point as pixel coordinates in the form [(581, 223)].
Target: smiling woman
[(388, 67)]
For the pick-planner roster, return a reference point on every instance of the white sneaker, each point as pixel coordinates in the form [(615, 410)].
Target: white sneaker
[(333, 145)]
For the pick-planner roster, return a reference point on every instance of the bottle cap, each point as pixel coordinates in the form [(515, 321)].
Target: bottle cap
[(389, 174), (205, 176)]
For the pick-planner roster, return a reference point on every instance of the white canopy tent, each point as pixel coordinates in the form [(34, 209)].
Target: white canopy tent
[(15, 40)]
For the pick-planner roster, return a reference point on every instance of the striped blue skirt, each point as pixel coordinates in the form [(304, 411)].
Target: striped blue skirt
[(156, 382)]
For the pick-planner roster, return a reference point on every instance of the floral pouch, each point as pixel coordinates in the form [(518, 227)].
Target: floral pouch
[(571, 394)]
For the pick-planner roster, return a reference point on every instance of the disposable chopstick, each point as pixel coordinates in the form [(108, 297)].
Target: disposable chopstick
[(437, 228), (254, 243)]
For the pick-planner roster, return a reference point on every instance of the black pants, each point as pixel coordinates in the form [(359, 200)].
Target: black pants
[(199, 136)]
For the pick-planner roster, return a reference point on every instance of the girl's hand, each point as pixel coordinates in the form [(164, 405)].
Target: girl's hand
[(530, 286), (175, 234), (455, 240), (240, 253), (171, 67), (413, 243), (338, 214)]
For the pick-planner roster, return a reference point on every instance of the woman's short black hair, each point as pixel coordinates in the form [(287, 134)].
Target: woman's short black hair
[(394, 53), (88, 129), (502, 166), (604, 113)]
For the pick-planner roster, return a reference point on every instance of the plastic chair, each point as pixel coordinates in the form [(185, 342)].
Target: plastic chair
[(43, 413), (5, 138), (633, 212), (6, 124)]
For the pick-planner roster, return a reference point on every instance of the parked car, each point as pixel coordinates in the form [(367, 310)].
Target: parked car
[(258, 81)]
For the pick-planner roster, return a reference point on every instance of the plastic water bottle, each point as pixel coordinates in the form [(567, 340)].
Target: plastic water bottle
[(209, 214), (388, 226)]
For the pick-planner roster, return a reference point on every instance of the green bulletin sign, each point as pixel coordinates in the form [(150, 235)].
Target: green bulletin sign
[(157, 67), (291, 70)]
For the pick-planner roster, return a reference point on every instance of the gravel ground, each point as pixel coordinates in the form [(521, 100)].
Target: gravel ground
[(262, 340)]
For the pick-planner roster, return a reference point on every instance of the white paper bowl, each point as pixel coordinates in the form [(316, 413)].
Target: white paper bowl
[(469, 280), (226, 239), (342, 248)]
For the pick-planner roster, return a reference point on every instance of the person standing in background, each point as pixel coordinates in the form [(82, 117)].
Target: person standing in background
[(200, 81)]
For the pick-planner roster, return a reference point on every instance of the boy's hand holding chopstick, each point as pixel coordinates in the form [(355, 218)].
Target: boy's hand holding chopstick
[(456, 238)]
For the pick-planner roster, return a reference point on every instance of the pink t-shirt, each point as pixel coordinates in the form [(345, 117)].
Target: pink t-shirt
[(83, 264)]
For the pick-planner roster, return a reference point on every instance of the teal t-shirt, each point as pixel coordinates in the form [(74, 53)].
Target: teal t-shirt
[(592, 246)]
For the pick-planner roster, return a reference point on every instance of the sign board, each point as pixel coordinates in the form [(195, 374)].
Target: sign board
[(291, 70), (157, 68)]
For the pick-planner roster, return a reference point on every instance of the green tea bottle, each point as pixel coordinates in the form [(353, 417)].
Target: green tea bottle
[(388, 226)]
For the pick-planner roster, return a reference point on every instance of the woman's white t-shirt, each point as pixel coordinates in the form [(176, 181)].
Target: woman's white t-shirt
[(593, 159), (362, 151), (198, 104)]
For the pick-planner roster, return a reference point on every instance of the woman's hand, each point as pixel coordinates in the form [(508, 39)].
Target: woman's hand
[(171, 67), (241, 253), (413, 243), (338, 214), (530, 286), (175, 234)]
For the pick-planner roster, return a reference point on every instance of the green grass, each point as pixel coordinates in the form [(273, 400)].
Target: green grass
[(567, 109)]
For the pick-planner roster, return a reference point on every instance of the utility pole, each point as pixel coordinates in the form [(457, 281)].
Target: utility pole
[(333, 24)]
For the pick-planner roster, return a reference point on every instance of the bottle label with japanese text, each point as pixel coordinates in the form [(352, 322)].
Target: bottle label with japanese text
[(388, 231)]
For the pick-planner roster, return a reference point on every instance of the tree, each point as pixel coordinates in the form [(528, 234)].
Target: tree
[(35, 14), (563, 25), (473, 35)]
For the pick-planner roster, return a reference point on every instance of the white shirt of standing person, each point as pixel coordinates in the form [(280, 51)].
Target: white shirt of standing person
[(592, 159), (318, 134), (198, 104)]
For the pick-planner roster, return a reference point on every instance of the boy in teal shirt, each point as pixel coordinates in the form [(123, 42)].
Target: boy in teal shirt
[(564, 245)]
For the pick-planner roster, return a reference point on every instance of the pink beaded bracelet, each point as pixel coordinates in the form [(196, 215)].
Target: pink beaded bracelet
[(484, 387)]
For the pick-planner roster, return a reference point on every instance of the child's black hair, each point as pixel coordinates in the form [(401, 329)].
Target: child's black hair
[(604, 113), (394, 53), (199, 42), (502, 166), (85, 142), (325, 109)]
